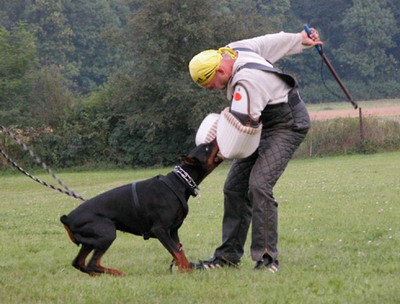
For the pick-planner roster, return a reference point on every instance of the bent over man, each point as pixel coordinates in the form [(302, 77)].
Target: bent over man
[(259, 94)]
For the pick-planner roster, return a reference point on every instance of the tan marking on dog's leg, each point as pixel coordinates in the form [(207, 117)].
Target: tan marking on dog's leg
[(114, 272), (182, 262)]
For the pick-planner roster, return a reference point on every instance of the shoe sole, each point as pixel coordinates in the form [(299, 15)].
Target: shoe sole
[(273, 268)]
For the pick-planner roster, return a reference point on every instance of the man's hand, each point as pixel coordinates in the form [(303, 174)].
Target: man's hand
[(311, 40)]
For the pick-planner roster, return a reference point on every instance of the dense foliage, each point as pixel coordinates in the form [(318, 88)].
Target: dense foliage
[(107, 81)]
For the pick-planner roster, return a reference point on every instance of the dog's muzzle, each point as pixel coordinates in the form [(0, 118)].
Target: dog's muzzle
[(234, 139)]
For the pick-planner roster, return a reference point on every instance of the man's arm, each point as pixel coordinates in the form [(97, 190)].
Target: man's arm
[(275, 46)]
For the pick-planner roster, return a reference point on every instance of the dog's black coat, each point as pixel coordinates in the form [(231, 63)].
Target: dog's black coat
[(152, 208)]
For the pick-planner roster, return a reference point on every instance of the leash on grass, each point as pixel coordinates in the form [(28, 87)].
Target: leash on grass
[(37, 159)]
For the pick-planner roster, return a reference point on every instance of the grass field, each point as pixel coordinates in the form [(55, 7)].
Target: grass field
[(339, 240), (345, 105)]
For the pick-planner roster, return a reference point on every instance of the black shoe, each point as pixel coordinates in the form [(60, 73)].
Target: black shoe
[(214, 262), (268, 263)]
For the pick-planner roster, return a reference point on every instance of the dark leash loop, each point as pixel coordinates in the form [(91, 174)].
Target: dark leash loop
[(325, 84), (39, 161), (332, 70)]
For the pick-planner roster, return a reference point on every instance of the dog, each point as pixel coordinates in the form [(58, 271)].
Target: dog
[(152, 208)]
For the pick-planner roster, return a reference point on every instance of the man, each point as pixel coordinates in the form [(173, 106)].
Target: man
[(245, 69)]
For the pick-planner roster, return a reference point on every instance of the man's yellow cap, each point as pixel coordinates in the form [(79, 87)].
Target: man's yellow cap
[(204, 65)]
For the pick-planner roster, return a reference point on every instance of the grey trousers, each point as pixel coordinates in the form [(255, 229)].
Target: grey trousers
[(248, 189)]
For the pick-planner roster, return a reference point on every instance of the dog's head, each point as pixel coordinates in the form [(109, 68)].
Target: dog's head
[(205, 156)]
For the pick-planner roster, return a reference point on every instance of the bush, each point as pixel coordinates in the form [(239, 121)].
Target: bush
[(71, 147), (343, 136)]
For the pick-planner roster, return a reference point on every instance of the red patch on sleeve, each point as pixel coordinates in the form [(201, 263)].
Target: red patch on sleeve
[(237, 96)]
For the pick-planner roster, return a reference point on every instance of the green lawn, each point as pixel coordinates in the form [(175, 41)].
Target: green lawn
[(339, 240)]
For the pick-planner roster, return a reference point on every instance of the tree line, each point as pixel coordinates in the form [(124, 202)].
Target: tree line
[(106, 81)]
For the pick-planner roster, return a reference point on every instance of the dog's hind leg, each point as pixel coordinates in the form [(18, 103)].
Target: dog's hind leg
[(95, 264), (103, 243), (79, 261)]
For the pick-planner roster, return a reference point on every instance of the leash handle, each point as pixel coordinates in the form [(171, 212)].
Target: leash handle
[(308, 31), (332, 70)]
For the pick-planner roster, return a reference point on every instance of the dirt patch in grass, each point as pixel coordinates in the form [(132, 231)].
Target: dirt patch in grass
[(329, 114)]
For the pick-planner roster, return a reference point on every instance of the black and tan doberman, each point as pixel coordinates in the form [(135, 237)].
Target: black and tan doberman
[(152, 208)]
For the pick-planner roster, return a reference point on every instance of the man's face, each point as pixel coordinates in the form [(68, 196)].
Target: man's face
[(221, 77), (218, 82)]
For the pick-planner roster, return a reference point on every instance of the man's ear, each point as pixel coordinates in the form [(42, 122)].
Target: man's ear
[(221, 70)]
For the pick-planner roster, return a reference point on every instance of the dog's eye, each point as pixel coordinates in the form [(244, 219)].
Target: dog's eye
[(207, 149)]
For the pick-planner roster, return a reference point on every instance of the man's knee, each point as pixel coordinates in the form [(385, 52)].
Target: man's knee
[(262, 196)]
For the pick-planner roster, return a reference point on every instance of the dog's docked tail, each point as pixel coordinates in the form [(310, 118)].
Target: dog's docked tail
[(64, 220)]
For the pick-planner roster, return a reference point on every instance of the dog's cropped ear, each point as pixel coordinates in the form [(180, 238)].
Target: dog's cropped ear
[(188, 160)]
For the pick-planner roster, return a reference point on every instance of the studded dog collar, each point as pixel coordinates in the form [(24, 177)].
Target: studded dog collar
[(185, 177)]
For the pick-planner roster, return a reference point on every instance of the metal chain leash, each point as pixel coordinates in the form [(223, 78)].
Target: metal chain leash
[(37, 159)]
